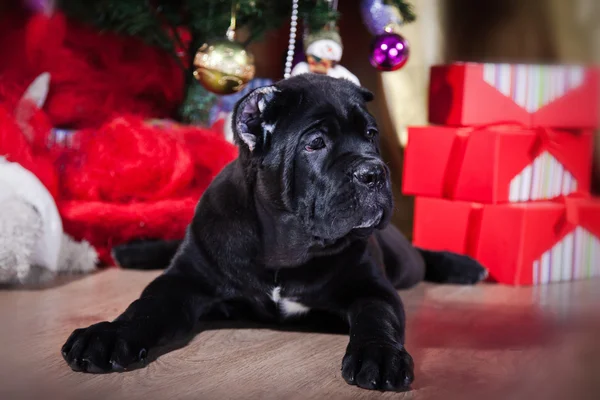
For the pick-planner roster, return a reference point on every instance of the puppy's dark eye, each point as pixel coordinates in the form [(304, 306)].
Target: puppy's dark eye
[(315, 144), (371, 133)]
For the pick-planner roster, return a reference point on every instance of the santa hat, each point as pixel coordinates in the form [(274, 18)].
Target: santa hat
[(326, 43)]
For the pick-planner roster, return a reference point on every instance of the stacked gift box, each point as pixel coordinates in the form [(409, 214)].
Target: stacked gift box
[(503, 172)]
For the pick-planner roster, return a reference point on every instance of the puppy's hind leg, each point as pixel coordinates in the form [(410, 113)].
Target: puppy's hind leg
[(145, 254), (406, 265), (448, 267)]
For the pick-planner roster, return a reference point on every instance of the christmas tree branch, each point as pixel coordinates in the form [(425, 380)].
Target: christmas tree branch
[(157, 22), (405, 9), (317, 14), (138, 17), (172, 48)]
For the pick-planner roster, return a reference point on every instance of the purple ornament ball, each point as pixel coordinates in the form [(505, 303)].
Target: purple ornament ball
[(377, 15), (389, 52)]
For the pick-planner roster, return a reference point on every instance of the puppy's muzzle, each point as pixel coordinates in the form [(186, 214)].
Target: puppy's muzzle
[(371, 174)]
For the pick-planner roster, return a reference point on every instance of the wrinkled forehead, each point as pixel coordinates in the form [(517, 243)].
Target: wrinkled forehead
[(322, 89), (306, 110)]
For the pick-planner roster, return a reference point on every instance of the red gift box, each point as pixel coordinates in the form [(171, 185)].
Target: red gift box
[(496, 163), (465, 94), (520, 244)]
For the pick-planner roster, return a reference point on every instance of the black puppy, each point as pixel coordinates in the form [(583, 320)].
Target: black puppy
[(298, 222)]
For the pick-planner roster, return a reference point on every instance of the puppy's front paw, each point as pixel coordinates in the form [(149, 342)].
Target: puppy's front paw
[(378, 367), (103, 347)]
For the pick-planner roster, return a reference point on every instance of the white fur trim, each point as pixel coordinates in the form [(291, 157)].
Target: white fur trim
[(325, 48), (37, 91), (20, 229), (16, 181), (76, 257), (300, 68)]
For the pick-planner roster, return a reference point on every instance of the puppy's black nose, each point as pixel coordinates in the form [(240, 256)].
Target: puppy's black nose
[(372, 174)]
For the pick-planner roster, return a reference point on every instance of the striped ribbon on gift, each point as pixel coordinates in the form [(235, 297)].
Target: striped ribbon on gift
[(576, 256), (533, 86), (544, 178)]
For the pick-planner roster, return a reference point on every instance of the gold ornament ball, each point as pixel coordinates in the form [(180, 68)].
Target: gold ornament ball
[(223, 66)]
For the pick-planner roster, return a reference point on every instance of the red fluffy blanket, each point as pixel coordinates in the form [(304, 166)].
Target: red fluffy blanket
[(122, 178)]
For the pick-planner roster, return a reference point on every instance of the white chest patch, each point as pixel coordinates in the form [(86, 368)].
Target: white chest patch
[(286, 306)]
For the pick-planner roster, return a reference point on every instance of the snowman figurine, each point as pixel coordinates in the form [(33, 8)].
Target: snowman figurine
[(323, 51)]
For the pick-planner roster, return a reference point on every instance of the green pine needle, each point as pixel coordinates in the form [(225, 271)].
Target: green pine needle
[(405, 9)]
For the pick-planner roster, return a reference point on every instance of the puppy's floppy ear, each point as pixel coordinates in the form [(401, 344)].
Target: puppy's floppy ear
[(366, 94), (248, 117)]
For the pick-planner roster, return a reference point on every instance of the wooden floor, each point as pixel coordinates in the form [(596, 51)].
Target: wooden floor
[(467, 342)]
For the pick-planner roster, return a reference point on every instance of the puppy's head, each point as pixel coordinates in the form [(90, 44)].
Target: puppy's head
[(312, 149)]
